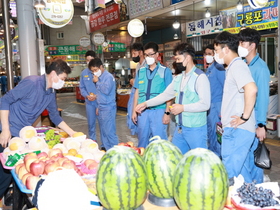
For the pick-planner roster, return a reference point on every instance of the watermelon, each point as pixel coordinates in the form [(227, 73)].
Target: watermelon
[(201, 181), (121, 180), (161, 158)]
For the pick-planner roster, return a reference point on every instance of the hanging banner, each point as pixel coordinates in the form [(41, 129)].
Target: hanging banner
[(175, 1), (66, 50), (56, 14), (259, 19), (104, 18), (141, 7), (112, 47), (204, 26)]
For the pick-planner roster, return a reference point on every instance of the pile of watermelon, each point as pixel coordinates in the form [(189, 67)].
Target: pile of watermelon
[(197, 180)]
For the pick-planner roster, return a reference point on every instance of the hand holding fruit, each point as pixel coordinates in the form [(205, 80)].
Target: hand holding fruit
[(177, 109)]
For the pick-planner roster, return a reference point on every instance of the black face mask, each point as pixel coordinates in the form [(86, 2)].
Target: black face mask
[(136, 59), (180, 67)]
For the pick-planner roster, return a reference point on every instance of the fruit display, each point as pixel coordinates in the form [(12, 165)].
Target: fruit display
[(161, 158), (256, 196), (51, 138), (121, 179), (27, 132), (200, 181), (139, 150)]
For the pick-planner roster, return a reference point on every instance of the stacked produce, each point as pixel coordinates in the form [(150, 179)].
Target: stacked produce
[(161, 158), (121, 180), (139, 150), (200, 181), (256, 196)]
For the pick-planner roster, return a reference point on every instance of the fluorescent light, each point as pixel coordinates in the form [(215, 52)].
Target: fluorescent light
[(207, 14), (207, 2), (39, 4), (176, 24), (239, 6)]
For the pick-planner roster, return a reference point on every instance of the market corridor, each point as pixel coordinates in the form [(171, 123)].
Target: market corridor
[(74, 115)]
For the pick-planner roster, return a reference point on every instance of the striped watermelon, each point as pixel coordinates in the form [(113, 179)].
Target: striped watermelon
[(201, 181), (161, 158), (121, 180)]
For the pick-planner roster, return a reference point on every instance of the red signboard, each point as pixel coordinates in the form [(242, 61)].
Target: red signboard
[(104, 18)]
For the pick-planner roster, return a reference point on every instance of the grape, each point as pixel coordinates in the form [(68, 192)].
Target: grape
[(256, 196)]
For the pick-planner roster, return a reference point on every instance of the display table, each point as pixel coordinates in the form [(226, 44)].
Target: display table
[(122, 98), (148, 206)]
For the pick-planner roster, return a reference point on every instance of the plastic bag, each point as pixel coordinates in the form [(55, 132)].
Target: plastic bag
[(261, 155)]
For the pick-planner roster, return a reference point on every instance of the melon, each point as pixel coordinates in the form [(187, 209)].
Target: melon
[(161, 158), (37, 143), (27, 132), (121, 180), (16, 144), (200, 181)]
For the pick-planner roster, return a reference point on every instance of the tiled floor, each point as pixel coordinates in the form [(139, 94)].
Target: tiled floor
[(75, 116)]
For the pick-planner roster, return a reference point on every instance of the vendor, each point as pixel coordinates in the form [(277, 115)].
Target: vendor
[(22, 105)]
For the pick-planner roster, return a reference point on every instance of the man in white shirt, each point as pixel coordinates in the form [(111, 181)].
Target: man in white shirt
[(237, 113)]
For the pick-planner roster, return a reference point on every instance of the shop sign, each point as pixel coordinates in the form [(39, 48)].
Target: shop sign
[(171, 45), (57, 13), (104, 17), (175, 1), (259, 19), (66, 50), (204, 26), (98, 38), (141, 7), (84, 41), (112, 47)]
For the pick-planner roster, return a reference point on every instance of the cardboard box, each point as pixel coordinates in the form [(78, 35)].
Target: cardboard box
[(271, 123)]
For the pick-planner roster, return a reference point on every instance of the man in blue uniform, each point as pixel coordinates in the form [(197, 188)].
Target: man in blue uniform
[(150, 81), (22, 105), (106, 103), (237, 112), (248, 44), (88, 91), (216, 75), (191, 90)]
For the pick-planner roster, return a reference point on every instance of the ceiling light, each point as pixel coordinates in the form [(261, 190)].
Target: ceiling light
[(194, 34), (207, 2), (239, 6), (175, 36), (39, 4), (207, 13), (176, 24)]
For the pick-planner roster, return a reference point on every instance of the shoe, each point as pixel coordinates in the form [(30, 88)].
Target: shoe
[(103, 148)]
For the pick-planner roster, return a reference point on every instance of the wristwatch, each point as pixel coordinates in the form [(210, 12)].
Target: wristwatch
[(167, 113), (261, 125)]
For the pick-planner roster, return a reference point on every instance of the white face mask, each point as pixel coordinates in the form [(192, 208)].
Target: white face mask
[(58, 85), (242, 51), (219, 60), (98, 73), (150, 61), (209, 58)]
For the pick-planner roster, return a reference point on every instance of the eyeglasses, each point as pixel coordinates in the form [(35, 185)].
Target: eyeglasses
[(149, 55)]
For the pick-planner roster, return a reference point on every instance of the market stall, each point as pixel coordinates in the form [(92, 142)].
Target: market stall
[(123, 95)]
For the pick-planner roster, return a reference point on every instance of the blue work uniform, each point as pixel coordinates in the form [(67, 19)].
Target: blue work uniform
[(261, 76), (216, 76), (150, 84), (25, 103), (106, 104), (191, 130), (87, 86), (132, 127), (4, 88)]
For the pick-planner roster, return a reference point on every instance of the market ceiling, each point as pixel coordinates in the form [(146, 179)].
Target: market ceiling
[(184, 11)]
